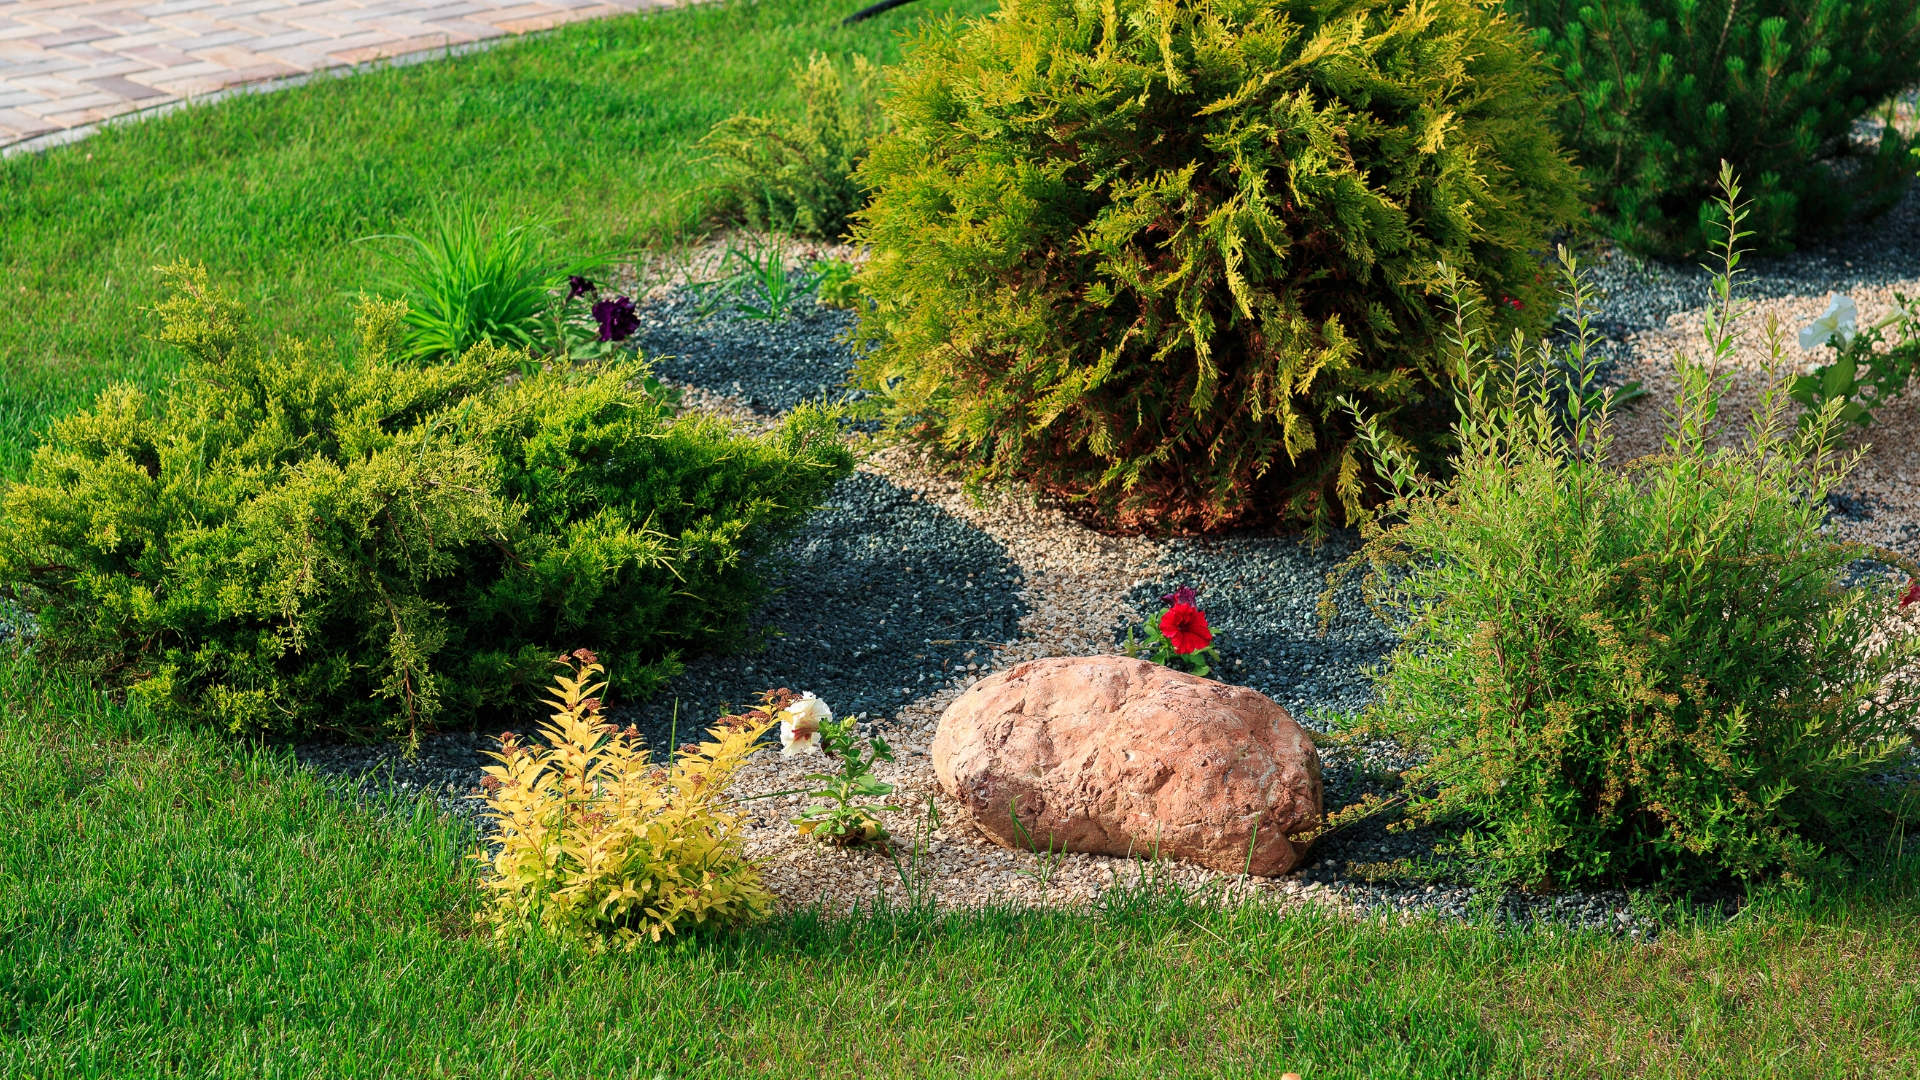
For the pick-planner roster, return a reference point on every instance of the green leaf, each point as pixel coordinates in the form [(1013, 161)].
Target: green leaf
[(1805, 389), (1837, 379)]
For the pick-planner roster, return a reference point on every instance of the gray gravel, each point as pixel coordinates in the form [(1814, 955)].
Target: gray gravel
[(772, 366), (883, 598), (446, 769), (1260, 594), (886, 596), (1640, 294)]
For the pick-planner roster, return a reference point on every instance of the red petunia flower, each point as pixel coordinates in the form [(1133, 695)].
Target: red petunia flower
[(1913, 592), (1186, 629)]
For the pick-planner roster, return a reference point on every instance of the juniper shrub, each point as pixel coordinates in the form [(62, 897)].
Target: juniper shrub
[(283, 542), (1136, 253)]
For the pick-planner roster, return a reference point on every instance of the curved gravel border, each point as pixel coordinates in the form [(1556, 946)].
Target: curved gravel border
[(884, 595), (1011, 579), (770, 367)]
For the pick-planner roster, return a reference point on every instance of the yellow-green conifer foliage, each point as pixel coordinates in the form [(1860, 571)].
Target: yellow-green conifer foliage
[(280, 541), (1138, 252)]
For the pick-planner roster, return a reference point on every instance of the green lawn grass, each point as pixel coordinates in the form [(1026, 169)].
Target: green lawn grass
[(593, 127), (172, 904), (175, 905)]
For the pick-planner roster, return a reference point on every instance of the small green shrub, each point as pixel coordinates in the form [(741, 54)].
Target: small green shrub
[(1661, 91), (797, 174), (599, 843), (1629, 671), (1138, 253), (279, 542), (472, 280), (834, 814), (836, 287)]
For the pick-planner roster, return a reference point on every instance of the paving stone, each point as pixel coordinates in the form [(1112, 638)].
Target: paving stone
[(15, 124), (67, 63), (76, 117), (79, 36), (160, 55), (125, 88)]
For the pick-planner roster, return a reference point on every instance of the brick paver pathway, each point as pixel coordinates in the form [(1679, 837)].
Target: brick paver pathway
[(69, 63)]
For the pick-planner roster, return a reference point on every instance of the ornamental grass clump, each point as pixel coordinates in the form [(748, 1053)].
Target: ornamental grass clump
[(1135, 252), (280, 542), (473, 279), (598, 843), (1619, 671)]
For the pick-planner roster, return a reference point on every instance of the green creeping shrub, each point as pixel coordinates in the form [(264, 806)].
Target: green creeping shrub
[(278, 542), (1137, 252), (797, 174), (1662, 91), (1635, 670)]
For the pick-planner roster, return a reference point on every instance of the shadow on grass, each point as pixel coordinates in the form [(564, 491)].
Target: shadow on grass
[(174, 904)]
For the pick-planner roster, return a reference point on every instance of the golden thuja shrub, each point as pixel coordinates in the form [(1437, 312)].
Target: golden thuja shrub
[(597, 842)]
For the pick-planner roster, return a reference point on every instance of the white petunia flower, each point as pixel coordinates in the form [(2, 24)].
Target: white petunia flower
[(1839, 321), (800, 725)]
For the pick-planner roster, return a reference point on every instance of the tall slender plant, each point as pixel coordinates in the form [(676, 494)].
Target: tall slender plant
[(1649, 669)]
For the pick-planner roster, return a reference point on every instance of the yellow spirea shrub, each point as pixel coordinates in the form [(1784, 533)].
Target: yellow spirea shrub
[(598, 843)]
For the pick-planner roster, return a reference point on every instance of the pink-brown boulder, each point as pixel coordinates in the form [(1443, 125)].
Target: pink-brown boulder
[(1115, 756)]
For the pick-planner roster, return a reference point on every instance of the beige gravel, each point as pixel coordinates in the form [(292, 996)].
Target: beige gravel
[(1074, 584), (1075, 581), (1889, 472)]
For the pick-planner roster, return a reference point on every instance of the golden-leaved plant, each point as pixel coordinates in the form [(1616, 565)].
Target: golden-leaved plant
[(597, 842)]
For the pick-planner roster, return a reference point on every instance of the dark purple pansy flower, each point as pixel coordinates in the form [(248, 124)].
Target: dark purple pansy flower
[(579, 286), (616, 318), (1182, 595)]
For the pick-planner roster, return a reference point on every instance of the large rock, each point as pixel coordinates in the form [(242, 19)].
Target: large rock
[(1116, 756)]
